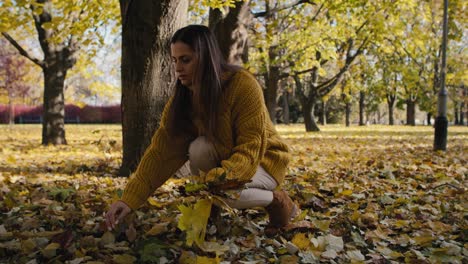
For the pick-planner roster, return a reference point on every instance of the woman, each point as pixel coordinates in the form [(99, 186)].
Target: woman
[(217, 119)]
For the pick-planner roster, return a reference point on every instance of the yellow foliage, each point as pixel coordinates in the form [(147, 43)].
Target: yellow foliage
[(301, 241), (193, 220)]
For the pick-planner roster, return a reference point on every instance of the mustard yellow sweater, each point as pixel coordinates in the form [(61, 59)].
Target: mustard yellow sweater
[(245, 139)]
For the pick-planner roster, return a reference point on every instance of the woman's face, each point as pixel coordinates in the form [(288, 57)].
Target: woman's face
[(185, 61)]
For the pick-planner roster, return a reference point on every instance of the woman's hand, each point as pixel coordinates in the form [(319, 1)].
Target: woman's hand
[(116, 213)]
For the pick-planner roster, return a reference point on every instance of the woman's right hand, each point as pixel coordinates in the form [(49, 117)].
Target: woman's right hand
[(116, 213)]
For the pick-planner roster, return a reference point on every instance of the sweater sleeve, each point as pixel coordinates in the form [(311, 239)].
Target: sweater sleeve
[(249, 129), (160, 161)]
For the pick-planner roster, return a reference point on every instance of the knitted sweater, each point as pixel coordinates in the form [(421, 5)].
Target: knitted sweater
[(245, 139)]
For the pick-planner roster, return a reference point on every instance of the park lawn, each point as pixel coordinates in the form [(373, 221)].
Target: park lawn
[(367, 193)]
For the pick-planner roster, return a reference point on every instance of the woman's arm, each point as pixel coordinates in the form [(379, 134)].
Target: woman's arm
[(161, 160)]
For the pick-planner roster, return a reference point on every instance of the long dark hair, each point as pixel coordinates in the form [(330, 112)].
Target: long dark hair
[(211, 66)]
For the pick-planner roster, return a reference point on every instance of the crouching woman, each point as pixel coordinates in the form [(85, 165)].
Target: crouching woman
[(216, 119)]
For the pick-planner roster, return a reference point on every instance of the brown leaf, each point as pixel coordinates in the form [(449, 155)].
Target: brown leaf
[(64, 239)]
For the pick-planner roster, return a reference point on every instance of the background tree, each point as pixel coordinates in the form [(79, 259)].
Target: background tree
[(13, 71), (62, 27), (272, 54), (230, 22), (329, 41)]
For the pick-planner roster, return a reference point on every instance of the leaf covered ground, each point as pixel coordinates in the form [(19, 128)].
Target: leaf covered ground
[(375, 194)]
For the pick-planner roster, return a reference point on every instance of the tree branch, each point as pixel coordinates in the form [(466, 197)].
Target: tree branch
[(298, 2), (23, 51)]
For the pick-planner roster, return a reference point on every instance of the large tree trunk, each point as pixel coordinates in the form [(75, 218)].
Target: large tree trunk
[(348, 114), (410, 112), (147, 27), (362, 106), (53, 123), (231, 32)]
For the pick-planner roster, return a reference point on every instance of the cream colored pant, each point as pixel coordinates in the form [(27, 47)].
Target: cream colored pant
[(257, 193)]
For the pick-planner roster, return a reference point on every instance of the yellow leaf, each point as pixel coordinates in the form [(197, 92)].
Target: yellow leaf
[(155, 203), (214, 247), (124, 259), (194, 220), (301, 241), (51, 250), (323, 225), (157, 229), (207, 260), (11, 159), (347, 192), (423, 240), (28, 246)]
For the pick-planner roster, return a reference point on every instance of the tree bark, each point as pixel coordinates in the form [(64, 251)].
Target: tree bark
[(11, 112), (462, 114), (271, 91), (147, 27), (348, 114), (323, 119), (391, 105), (391, 120), (308, 105), (410, 112), (231, 32), (286, 107), (362, 107), (463, 107), (53, 123), (308, 109)]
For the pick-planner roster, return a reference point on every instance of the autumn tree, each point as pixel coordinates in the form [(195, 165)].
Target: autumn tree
[(327, 43), (13, 70), (61, 28)]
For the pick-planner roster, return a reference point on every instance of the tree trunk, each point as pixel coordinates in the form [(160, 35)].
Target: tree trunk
[(271, 92), (147, 27), (11, 112), (362, 106), (455, 113), (463, 108), (348, 114), (391, 104), (410, 112), (429, 117), (308, 108), (286, 107), (53, 123), (231, 32), (462, 114), (323, 119)]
